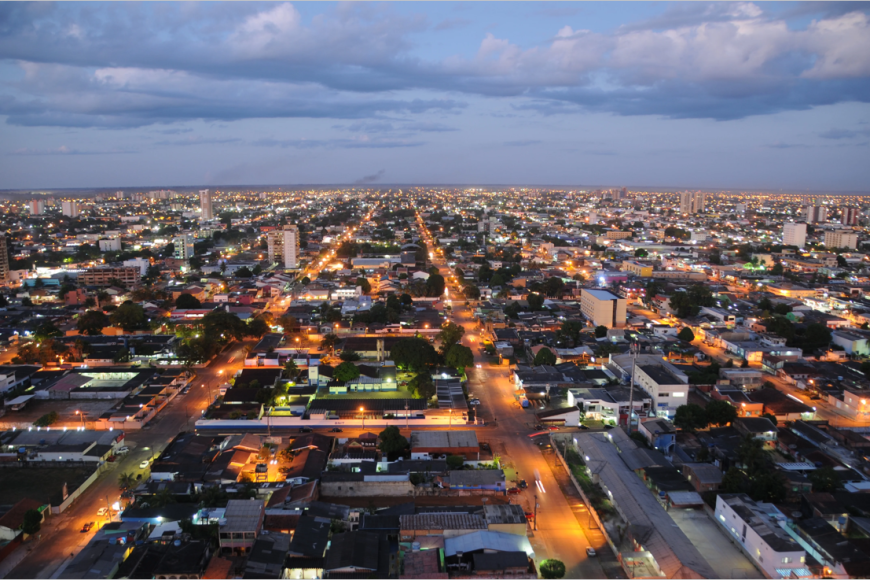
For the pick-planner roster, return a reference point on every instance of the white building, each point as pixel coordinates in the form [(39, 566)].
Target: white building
[(183, 247), (206, 212), (291, 247), (603, 308), (841, 239), (140, 263), (667, 386), (794, 235), (110, 244), (759, 528), (693, 202), (816, 214), (70, 208), (37, 207)]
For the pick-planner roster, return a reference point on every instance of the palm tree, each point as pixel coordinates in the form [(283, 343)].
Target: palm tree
[(329, 342), (290, 369), (126, 480)]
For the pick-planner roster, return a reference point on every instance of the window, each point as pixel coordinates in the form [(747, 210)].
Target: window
[(722, 518), (679, 394), (786, 560)]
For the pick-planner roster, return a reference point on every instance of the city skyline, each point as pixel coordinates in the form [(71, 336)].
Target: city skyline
[(696, 96)]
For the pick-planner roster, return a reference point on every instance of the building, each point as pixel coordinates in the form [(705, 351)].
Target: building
[(70, 208), (841, 239), (816, 214), (110, 244), (291, 246), (603, 308), (424, 444), (693, 202), (638, 269), (275, 246), (183, 246), (849, 216), (37, 207), (665, 384), (756, 526), (243, 522), (206, 211), (140, 263), (4, 260), (126, 275), (794, 235)]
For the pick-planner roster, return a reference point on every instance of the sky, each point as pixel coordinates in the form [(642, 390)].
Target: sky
[(707, 95)]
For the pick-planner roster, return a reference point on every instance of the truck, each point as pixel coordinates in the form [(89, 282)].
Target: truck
[(525, 403)]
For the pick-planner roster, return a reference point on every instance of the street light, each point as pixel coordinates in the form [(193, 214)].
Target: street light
[(82, 415), (362, 412)]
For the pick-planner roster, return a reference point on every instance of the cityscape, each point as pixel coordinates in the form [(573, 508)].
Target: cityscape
[(301, 291)]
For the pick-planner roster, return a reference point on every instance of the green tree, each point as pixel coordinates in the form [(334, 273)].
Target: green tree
[(640, 253), (471, 292), (364, 284), (46, 330), (450, 334), (824, 479), (187, 302), (720, 413), (346, 371), (126, 480), (47, 419), (291, 369), (435, 285), (32, 522), (414, 354), (392, 443), (258, 327), (732, 481), (600, 331), (777, 269), (92, 322), (536, 302), (349, 355), (223, 325), (459, 357), (328, 342), (552, 569), (455, 462), (770, 417), (545, 356), (129, 316), (690, 417), (422, 386), (686, 334)]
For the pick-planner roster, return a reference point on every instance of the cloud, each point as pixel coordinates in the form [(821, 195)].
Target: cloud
[(362, 142), (451, 23), (64, 150), (522, 143), (195, 140), (369, 178), (841, 134), (788, 146)]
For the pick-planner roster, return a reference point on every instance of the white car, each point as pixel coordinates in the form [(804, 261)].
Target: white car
[(474, 402), (144, 465), (122, 450), (102, 511)]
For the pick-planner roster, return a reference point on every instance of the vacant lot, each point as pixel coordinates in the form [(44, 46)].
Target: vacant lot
[(66, 411), (40, 483)]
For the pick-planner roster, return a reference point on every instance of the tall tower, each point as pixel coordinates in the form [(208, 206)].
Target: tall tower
[(205, 205), (70, 208), (849, 216), (37, 207), (4, 260), (686, 202), (275, 246), (183, 247), (816, 214), (794, 234), (291, 246)]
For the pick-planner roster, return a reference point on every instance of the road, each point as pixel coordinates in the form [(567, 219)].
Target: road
[(61, 536), (559, 534)]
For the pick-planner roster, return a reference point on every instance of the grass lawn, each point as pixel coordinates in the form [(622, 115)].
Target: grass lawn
[(41, 484)]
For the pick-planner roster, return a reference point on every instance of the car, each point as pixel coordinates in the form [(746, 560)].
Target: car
[(608, 426), (127, 494), (529, 515), (582, 426), (523, 484), (474, 402), (87, 527), (305, 429), (539, 427), (513, 490), (590, 551), (553, 428), (145, 464), (102, 511), (122, 450), (335, 430)]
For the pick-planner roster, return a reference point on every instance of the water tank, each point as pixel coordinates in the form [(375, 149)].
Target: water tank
[(415, 546), (176, 543)]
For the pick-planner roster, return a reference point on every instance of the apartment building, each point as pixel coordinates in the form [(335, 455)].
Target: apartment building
[(794, 235), (183, 247), (667, 386), (692, 202), (4, 260), (283, 246), (206, 211), (816, 214), (128, 276), (70, 208), (841, 239), (638, 269), (603, 308)]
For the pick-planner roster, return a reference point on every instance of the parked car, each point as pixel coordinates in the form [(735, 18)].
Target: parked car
[(87, 527), (122, 450), (608, 426), (523, 484), (553, 428), (590, 551), (335, 430), (102, 511), (582, 426), (144, 465), (539, 427), (513, 490), (305, 429), (474, 402)]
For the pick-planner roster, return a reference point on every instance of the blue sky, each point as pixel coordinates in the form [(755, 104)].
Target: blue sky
[(730, 95)]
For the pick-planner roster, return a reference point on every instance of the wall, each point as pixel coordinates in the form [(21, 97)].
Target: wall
[(366, 488), (57, 509)]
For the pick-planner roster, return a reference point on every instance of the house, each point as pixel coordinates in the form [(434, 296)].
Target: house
[(441, 524), (660, 434), (266, 559), (11, 521), (491, 479), (755, 526), (428, 444), (357, 553), (702, 476), (666, 386), (243, 522), (760, 428)]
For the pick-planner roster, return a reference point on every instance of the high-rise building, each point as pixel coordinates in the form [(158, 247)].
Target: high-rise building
[(205, 205), (291, 246), (841, 239), (815, 214), (37, 207), (849, 216), (275, 246), (4, 259), (794, 235), (183, 247), (70, 208), (693, 202)]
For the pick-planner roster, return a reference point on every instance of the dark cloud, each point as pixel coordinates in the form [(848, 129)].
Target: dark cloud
[(844, 134), (370, 178)]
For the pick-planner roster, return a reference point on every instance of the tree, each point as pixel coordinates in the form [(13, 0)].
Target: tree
[(459, 357), (536, 302), (435, 285), (393, 443), (640, 253), (600, 331), (92, 322), (129, 316), (450, 334), (26, 302), (777, 269), (686, 334), (47, 419), (328, 342), (291, 369), (824, 479), (422, 386), (552, 569), (455, 462), (771, 418), (720, 413), (46, 330), (258, 327), (732, 481), (471, 292), (817, 335), (346, 371), (414, 354), (545, 356), (187, 302), (364, 284), (349, 355), (32, 522), (223, 325), (690, 417), (126, 480)]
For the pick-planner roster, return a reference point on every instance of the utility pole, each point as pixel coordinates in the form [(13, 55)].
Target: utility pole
[(537, 505), (108, 509), (407, 411), (635, 347)]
